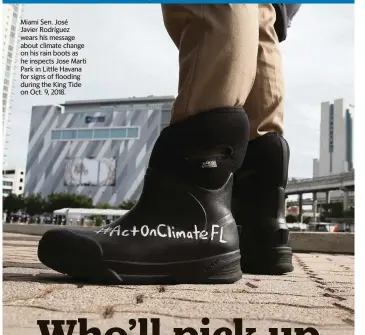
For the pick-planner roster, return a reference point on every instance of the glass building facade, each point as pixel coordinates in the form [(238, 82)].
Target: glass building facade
[(96, 134), (97, 148)]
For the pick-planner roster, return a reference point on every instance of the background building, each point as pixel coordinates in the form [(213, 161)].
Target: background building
[(13, 181), (97, 148), (11, 25), (335, 139), (7, 186)]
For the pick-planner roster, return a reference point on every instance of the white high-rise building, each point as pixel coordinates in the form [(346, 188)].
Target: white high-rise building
[(11, 25), (335, 154), (13, 181)]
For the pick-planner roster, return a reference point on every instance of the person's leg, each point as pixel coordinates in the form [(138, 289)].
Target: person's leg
[(259, 188), (265, 103), (217, 55), (182, 228)]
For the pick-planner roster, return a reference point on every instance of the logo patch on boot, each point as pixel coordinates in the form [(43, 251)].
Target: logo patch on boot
[(209, 164)]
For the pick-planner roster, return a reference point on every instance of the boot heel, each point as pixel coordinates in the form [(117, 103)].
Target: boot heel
[(229, 276), (273, 261), (224, 269)]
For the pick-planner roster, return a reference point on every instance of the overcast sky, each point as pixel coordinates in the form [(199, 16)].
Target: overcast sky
[(130, 54)]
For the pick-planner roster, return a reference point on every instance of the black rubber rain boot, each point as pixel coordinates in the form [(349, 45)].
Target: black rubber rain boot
[(258, 206), (182, 229)]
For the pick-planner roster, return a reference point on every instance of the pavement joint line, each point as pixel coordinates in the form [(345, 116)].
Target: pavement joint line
[(41, 295), (349, 322), (282, 322), (44, 308), (33, 278), (160, 314), (327, 295), (252, 303), (38, 266), (325, 287), (348, 309), (140, 298), (178, 316)]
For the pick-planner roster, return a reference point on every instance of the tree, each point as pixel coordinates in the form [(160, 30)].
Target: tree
[(98, 221), (34, 204), (64, 200), (103, 206), (127, 204), (333, 210), (13, 203), (291, 218), (350, 213)]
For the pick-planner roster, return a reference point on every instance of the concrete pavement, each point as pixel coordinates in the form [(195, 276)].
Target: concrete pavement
[(319, 294)]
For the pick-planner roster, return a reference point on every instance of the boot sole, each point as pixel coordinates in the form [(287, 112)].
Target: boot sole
[(274, 261), (87, 264)]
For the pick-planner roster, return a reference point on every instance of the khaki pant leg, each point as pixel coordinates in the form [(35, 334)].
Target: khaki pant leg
[(265, 103), (217, 55)]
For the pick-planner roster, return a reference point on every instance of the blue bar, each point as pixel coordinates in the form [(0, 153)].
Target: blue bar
[(168, 2)]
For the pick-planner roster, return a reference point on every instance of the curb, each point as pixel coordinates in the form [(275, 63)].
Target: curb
[(329, 243), (32, 229), (333, 243)]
